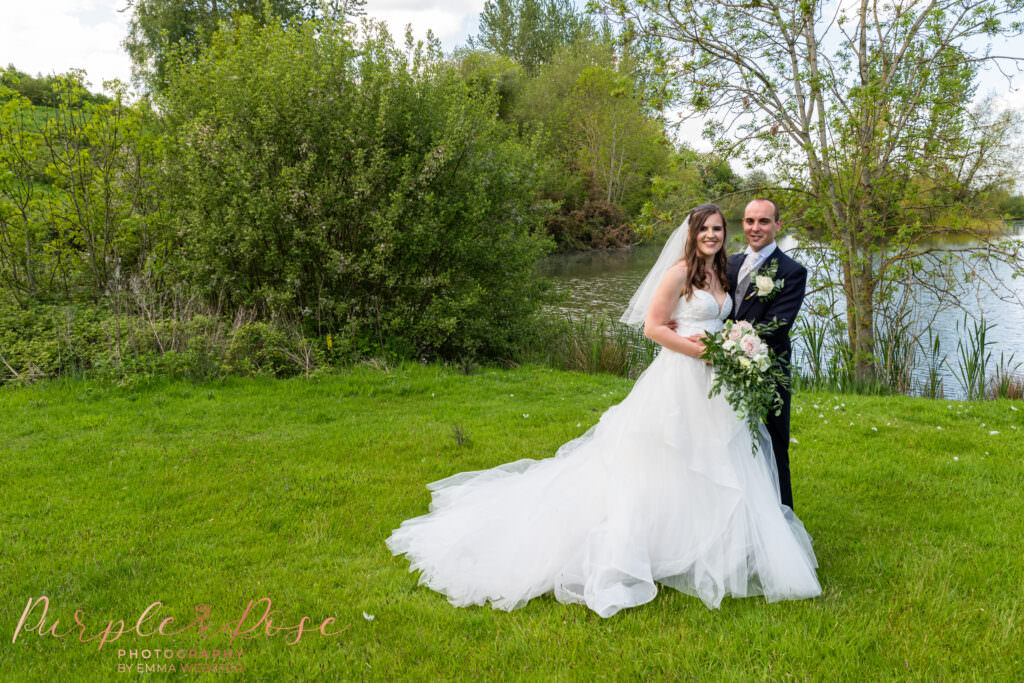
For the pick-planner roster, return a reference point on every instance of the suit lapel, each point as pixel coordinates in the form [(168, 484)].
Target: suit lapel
[(733, 269), (747, 303)]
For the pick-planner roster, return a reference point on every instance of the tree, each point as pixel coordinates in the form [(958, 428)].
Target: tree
[(485, 72), (369, 190), (864, 109), (38, 89), (161, 31), (613, 139), (604, 144), (531, 31), (76, 183), (20, 166)]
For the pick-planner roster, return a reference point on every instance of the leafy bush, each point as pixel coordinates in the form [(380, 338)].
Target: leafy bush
[(319, 172), (47, 340)]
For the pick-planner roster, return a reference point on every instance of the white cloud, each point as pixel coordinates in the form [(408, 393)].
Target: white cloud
[(54, 36), (451, 26)]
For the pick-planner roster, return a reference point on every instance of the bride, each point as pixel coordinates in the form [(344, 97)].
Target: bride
[(663, 489)]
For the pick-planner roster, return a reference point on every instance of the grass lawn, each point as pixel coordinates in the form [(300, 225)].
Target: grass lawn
[(219, 494)]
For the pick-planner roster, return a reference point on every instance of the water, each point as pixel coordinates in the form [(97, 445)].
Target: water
[(602, 282)]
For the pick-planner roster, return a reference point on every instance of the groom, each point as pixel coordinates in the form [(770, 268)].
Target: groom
[(768, 285)]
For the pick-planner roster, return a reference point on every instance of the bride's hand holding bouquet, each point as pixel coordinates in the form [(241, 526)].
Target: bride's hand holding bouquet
[(747, 370)]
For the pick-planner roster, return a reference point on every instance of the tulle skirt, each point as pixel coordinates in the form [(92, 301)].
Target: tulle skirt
[(663, 489)]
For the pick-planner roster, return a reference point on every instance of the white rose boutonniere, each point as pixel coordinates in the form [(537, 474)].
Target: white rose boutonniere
[(766, 286)]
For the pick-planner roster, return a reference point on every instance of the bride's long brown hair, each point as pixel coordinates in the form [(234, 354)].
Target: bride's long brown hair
[(696, 273)]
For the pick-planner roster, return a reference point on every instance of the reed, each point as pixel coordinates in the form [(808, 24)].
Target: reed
[(903, 352), (932, 386), (973, 357), (1007, 382), (813, 333), (592, 344), (896, 352)]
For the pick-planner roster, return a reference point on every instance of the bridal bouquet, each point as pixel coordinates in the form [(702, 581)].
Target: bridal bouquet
[(747, 370)]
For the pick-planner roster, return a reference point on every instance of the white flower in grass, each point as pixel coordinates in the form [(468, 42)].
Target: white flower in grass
[(368, 617), (1013, 408), (938, 426), (993, 432), (956, 458), (526, 415), (874, 429), (792, 439)]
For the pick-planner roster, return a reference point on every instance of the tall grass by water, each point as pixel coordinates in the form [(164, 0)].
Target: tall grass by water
[(906, 362), (589, 343)]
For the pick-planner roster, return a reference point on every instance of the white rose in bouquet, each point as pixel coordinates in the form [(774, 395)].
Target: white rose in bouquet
[(751, 345)]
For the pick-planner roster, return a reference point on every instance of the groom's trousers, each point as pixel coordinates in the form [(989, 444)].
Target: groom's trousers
[(778, 430)]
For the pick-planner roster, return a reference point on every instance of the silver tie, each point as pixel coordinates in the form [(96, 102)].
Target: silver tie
[(749, 264)]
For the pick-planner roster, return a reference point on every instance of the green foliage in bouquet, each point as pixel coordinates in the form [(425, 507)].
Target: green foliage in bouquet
[(747, 371)]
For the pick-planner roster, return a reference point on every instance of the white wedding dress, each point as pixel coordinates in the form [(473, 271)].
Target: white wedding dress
[(663, 489)]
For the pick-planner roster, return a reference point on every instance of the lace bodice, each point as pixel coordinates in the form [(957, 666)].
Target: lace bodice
[(700, 313)]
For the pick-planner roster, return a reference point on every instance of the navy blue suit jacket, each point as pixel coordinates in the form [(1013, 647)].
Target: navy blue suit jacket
[(784, 307)]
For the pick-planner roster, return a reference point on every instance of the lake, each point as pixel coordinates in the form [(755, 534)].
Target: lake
[(602, 282)]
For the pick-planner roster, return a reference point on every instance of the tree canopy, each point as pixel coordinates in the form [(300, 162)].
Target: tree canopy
[(865, 112), (162, 31), (531, 31)]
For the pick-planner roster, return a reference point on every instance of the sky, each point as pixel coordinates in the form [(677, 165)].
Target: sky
[(53, 36)]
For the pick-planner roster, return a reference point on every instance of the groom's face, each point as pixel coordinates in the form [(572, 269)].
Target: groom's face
[(759, 224)]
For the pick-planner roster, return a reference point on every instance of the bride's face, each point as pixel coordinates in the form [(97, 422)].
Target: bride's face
[(711, 236)]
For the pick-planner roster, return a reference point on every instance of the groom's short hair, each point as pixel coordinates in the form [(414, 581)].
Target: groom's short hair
[(765, 199)]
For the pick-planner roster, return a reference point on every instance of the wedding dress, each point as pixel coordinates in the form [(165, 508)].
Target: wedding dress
[(663, 489)]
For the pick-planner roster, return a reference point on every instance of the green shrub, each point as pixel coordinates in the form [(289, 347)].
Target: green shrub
[(46, 340), (321, 174)]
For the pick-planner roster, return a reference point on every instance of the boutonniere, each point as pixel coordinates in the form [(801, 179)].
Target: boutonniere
[(766, 286)]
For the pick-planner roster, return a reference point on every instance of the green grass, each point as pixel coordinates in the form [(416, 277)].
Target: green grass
[(221, 493)]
